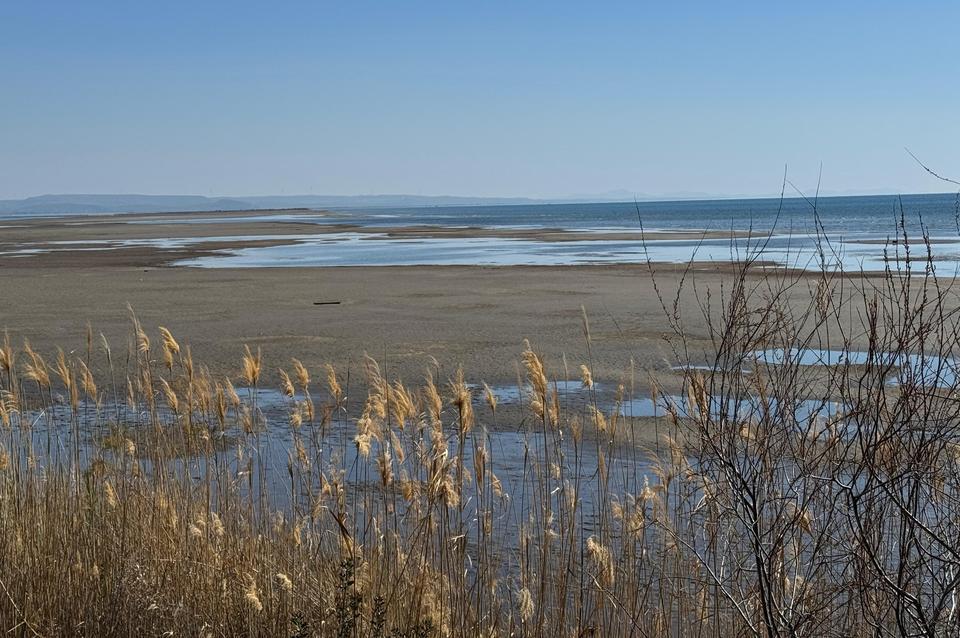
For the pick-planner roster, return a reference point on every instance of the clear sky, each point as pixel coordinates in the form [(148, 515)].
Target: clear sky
[(498, 99)]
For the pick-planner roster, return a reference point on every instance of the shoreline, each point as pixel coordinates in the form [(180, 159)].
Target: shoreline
[(169, 240), (164, 239), (405, 316), (324, 239), (408, 318)]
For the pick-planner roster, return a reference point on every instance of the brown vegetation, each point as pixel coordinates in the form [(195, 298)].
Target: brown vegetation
[(139, 495)]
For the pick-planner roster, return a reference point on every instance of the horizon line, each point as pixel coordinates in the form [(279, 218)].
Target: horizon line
[(576, 198)]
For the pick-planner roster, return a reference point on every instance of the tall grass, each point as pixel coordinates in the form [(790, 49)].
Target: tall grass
[(141, 495)]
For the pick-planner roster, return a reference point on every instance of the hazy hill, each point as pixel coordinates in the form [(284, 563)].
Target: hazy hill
[(77, 204)]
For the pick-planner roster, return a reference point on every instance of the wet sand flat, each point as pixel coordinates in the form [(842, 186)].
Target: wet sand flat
[(477, 317), (404, 316)]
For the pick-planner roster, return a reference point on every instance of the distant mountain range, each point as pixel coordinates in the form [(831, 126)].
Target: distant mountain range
[(86, 204), (79, 204)]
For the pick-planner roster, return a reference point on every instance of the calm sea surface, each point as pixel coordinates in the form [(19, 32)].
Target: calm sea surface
[(874, 216)]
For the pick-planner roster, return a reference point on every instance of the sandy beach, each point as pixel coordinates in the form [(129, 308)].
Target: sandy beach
[(406, 317)]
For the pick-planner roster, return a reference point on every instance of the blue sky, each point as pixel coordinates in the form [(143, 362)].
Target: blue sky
[(498, 99)]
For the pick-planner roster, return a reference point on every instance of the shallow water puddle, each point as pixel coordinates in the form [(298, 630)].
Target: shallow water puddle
[(804, 411), (513, 394), (921, 370), (58, 434)]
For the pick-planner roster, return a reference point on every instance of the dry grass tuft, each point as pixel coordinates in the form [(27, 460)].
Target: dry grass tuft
[(155, 499)]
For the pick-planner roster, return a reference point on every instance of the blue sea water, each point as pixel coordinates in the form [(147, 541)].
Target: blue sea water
[(875, 215)]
